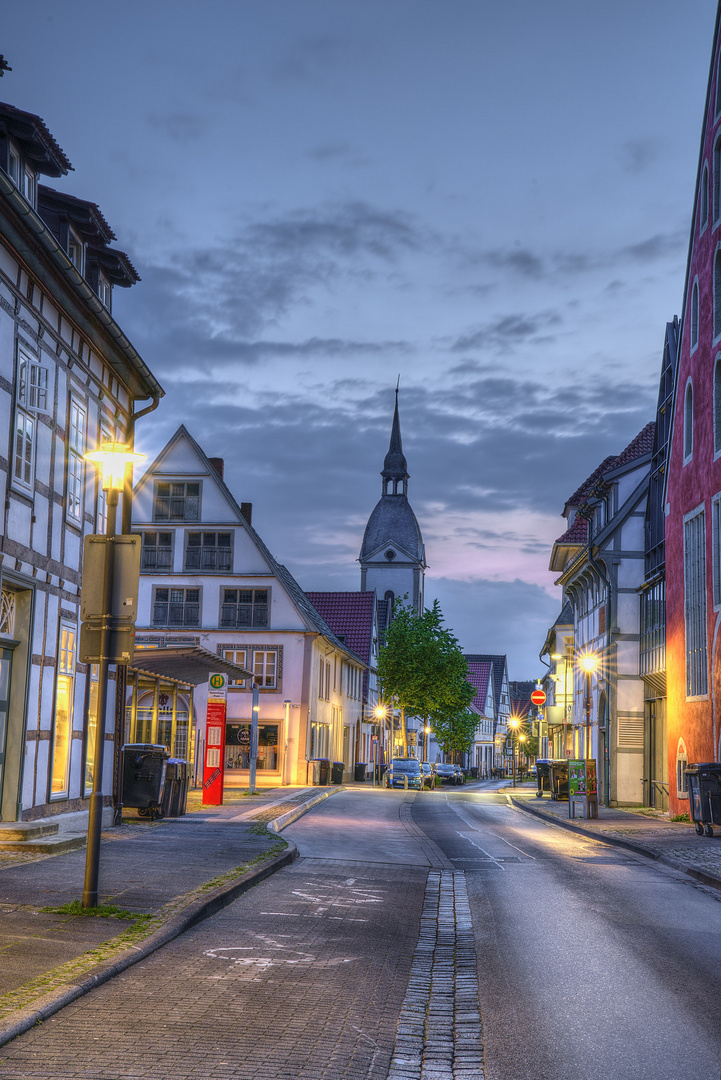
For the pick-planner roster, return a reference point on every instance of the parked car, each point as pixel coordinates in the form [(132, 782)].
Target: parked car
[(446, 773), (460, 777), (429, 775), (402, 769)]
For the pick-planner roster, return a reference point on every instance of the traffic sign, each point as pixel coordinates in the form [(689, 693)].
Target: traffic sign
[(538, 697)]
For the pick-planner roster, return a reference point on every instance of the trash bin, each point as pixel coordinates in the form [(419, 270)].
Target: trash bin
[(175, 792), (336, 773), (143, 774), (704, 793), (543, 777), (359, 772), (559, 779), (319, 771)]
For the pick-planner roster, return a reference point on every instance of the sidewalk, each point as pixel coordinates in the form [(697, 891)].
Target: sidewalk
[(647, 832), (162, 877)]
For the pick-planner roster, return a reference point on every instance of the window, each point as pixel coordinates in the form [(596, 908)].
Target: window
[(716, 181), (688, 423), (29, 185), (62, 730), (694, 551), (717, 405), (76, 464), (209, 551), (717, 107), (716, 548), (104, 292), (244, 607), (32, 383), (703, 208), (101, 510), (14, 166), (92, 727), (681, 766), (236, 656), (717, 294), (157, 551), (24, 451), (176, 502), (694, 316), (265, 666), (176, 607), (75, 251)]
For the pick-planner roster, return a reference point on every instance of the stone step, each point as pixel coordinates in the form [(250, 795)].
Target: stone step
[(48, 845), (17, 832)]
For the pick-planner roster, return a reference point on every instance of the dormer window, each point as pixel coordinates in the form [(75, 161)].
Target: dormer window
[(104, 291), (29, 185), (14, 166), (75, 251)]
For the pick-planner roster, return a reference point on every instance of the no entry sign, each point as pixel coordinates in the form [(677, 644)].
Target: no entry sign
[(538, 697)]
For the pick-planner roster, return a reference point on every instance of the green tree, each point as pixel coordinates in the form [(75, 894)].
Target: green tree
[(454, 734), (422, 667)]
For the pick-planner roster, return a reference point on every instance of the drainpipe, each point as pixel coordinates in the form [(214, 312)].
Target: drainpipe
[(606, 749), (127, 514)]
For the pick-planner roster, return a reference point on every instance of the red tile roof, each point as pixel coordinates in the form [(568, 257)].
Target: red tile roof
[(640, 445), (350, 617), (577, 534), (479, 672)]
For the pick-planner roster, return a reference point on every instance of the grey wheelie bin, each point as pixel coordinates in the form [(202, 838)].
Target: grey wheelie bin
[(144, 767), (704, 795)]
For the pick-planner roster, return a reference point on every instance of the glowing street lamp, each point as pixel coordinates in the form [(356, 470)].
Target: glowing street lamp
[(513, 723), (588, 662), (111, 458)]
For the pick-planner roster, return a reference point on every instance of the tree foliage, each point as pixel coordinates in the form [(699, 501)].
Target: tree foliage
[(423, 668), (454, 734)]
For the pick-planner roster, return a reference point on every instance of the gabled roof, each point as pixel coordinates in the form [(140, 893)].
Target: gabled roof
[(479, 673), (639, 446), (85, 216), (312, 618), (500, 667), (577, 534), (520, 695), (565, 617), (350, 616)]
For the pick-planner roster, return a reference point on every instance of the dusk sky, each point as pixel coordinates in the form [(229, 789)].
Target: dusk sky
[(490, 200)]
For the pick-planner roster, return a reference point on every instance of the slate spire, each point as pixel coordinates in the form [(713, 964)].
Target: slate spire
[(395, 467)]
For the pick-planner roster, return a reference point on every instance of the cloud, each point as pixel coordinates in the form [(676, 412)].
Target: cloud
[(179, 126), (655, 247), (638, 154), (506, 331), (340, 151)]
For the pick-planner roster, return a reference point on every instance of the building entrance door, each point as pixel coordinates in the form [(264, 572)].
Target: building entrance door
[(6, 656)]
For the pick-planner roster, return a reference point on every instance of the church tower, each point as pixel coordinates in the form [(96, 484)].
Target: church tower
[(392, 556)]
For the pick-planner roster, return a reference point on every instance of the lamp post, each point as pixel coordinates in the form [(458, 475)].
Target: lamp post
[(589, 663), (255, 709), (380, 713), (426, 733), (522, 738), (513, 722), (112, 458)]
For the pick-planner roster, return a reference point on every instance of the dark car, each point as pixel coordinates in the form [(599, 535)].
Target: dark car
[(460, 776), (401, 770)]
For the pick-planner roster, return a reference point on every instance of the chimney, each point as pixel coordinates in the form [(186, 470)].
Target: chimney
[(246, 510), (218, 464)]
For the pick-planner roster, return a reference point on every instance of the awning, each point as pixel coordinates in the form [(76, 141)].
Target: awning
[(188, 664)]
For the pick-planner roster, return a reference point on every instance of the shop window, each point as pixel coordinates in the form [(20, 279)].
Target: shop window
[(91, 728), (237, 747), (63, 726)]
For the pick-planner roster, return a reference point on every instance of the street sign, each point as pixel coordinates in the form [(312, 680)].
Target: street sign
[(538, 697), (214, 764), (218, 686), (125, 554)]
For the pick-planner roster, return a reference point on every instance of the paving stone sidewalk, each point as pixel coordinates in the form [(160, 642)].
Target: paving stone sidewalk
[(162, 875), (650, 833)]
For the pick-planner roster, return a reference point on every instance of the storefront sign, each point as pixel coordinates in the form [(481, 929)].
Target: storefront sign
[(214, 765)]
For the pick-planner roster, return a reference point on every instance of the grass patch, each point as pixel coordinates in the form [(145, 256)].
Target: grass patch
[(104, 911), (680, 817)]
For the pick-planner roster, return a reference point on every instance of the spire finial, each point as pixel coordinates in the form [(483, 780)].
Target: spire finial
[(395, 469)]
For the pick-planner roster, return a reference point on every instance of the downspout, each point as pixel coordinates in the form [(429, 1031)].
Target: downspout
[(606, 747), (713, 684), (127, 514)]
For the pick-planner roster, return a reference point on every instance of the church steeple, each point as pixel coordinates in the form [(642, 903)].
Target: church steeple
[(395, 468)]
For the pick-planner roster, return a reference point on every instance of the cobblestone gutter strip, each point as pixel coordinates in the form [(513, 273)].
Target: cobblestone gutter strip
[(280, 822), (713, 881), (439, 1034), (35, 1001)]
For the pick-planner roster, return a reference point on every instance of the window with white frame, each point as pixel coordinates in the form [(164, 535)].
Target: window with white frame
[(32, 383), (694, 551), (14, 165), (76, 464), (681, 766), (265, 667), (63, 726), (29, 185), (104, 292), (24, 450), (239, 657), (209, 551), (75, 251), (688, 422)]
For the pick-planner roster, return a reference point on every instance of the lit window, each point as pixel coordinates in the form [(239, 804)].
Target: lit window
[(62, 730)]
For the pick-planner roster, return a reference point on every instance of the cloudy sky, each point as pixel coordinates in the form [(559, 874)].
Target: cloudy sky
[(490, 200)]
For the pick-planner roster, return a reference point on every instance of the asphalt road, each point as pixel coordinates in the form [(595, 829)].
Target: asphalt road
[(588, 962)]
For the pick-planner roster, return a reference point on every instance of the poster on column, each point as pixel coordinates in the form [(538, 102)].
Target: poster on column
[(214, 764)]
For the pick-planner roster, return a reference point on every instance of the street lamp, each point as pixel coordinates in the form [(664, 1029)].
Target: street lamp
[(112, 458), (380, 712), (426, 733), (589, 663), (513, 722)]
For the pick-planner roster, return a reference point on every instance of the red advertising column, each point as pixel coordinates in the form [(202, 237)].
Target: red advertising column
[(214, 764)]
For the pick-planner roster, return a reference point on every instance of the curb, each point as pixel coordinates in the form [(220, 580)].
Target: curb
[(292, 815), (43, 1007), (613, 841)]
